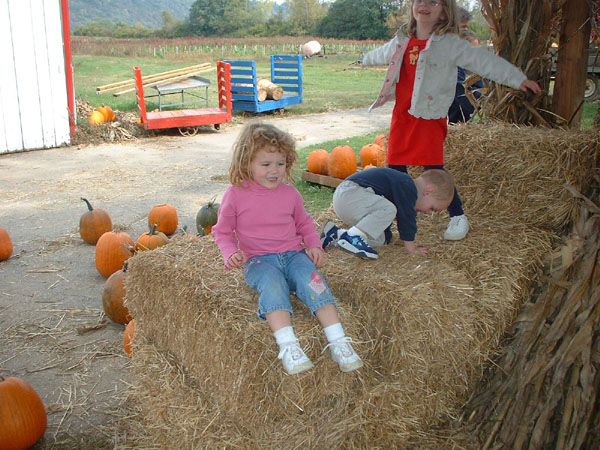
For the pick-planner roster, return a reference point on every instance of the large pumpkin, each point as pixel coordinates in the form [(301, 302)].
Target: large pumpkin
[(317, 161), (207, 217), (128, 336), (107, 112), (372, 154), (342, 162), (165, 217), (151, 239), (23, 417), (113, 297), (96, 117), (6, 246), (112, 250), (93, 223)]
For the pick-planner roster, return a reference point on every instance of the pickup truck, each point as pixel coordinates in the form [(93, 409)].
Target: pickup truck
[(592, 82)]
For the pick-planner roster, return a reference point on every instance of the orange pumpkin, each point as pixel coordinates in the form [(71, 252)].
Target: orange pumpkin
[(128, 336), (23, 417), (151, 239), (382, 141), (372, 154), (96, 117), (342, 162), (112, 250), (93, 224), (6, 246), (107, 112), (165, 217), (113, 297), (317, 161)]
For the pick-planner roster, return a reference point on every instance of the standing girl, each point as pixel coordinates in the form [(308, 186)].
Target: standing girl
[(264, 228), (423, 59)]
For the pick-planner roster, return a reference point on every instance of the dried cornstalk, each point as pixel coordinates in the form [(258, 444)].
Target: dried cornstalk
[(521, 32), (544, 394)]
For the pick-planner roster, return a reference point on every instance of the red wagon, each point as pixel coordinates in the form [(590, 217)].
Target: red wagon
[(187, 120)]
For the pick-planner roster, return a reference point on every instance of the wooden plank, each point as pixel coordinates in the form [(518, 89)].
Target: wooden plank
[(323, 180), (11, 119), (57, 72), (28, 91)]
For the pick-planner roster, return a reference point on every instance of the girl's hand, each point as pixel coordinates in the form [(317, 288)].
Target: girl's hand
[(531, 85), (235, 261), (316, 255)]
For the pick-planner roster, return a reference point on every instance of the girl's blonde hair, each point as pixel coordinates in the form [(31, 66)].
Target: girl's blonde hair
[(257, 136), (449, 24)]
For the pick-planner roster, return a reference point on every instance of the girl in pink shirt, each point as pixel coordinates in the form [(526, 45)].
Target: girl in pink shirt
[(264, 228)]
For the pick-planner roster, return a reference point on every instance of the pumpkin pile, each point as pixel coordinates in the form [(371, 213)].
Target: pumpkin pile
[(342, 162), (102, 114)]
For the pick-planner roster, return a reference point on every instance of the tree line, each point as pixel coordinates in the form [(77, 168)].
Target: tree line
[(343, 19)]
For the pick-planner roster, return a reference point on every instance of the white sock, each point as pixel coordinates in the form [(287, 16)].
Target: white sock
[(356, 232), (334, 332), (285, 335)]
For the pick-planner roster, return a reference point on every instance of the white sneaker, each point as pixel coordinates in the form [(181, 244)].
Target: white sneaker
[(458, 227), (343, 354), (294, 359)]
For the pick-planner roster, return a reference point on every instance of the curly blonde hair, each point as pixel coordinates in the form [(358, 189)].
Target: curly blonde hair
[(449, 24), (256, 136)]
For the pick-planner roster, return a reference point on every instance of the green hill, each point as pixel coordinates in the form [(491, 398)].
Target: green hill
[(130, 12)]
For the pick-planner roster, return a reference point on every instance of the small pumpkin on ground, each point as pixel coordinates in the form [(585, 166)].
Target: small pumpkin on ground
[(128, 336), (93, 223), (381, 140), (6, 246), (96, 117), (165, 217), (372, 154), (113, 297), (151, 239), (107, 112), (23, 416), (317, 161), (207, 217), (112, 250), (342, 162)]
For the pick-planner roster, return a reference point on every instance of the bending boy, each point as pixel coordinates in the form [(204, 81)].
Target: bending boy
[(369, 201)]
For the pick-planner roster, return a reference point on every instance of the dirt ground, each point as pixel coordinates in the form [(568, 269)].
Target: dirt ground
[(53, 331)]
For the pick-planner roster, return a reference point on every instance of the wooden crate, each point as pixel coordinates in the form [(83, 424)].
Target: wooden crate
[(323, 180)]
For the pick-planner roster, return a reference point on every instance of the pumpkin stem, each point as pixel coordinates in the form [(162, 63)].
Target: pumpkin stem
[(152, 231), (89, 205), (212, 201)]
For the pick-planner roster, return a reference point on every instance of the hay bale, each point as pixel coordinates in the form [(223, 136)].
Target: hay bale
[(423, 327), (521, 170), (206, 370)]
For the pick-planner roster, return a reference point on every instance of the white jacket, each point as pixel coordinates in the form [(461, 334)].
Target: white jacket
[(437, 66)]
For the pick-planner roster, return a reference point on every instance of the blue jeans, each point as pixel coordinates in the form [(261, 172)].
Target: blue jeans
[(275, 275), (455, 208)]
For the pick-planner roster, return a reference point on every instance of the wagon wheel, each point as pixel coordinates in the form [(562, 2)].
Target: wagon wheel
[(188, 131)]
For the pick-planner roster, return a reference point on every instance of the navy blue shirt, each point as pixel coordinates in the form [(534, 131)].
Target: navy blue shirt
[(400, 189)]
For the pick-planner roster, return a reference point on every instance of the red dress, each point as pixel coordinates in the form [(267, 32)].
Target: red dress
[(414, 141)]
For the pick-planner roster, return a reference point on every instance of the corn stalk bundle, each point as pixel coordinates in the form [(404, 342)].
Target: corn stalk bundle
[(545, 393), (521, 33)]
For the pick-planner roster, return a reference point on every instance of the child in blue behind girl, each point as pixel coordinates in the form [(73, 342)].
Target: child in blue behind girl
[(423, 59), (264, 228)]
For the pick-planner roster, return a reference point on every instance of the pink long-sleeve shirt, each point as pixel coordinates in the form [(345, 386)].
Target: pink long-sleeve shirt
[(258, 220)]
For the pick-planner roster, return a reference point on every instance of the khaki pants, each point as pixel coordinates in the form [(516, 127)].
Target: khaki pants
[(363, 208)]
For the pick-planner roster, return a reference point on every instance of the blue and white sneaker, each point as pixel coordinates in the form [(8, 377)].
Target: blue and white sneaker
[(356, 245), (329, 235)]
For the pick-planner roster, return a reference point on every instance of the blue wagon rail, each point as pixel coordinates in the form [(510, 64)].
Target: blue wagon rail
[(286, 72)]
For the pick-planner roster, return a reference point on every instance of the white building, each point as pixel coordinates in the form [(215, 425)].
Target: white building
[(36, 77)]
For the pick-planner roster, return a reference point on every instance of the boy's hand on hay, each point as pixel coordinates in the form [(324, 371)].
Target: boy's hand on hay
[(531, 85), (316, 255), (411, 248), (235, 261)]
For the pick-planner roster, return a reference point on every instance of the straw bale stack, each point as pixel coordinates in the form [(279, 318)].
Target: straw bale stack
[(205, 368)]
